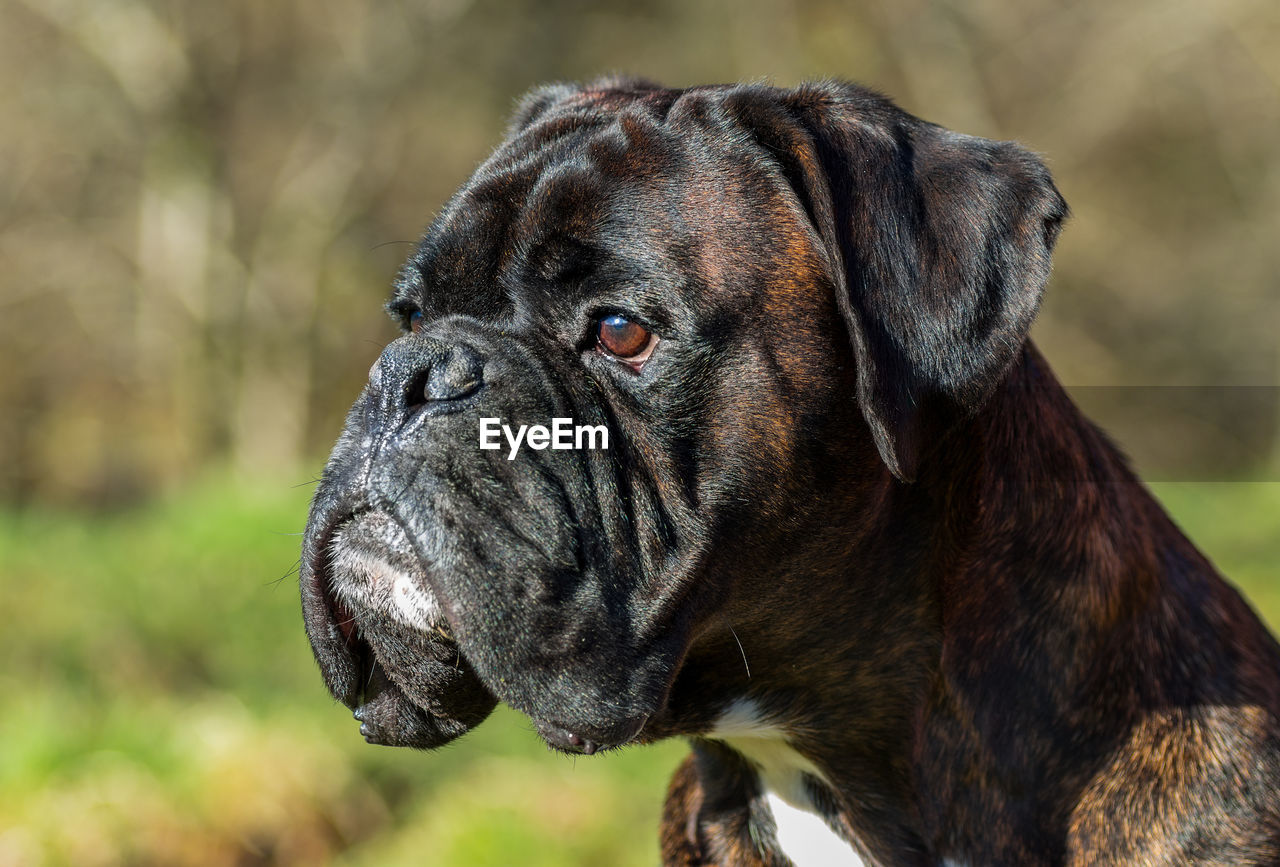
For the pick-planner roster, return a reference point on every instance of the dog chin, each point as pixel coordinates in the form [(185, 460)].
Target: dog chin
[(415, 687), (382, 640)]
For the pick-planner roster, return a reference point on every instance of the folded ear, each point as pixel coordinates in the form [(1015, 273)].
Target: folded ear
[(939, 243)]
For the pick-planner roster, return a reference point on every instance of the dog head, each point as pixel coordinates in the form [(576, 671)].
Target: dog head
[(773, 301)]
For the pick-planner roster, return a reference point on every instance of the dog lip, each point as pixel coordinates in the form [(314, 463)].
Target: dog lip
[(567, 741), (363, 711), (334, 626), (343, 616), (350, 651), (587, 741), (331, 624)]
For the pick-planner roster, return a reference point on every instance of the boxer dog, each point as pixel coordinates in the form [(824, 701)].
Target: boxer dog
[(849, 536)]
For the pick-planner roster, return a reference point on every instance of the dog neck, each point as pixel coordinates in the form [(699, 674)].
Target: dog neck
[(906, 683)]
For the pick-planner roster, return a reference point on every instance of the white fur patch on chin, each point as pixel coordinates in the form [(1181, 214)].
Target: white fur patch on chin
[(416, 607), (802, 834), (362, 579)]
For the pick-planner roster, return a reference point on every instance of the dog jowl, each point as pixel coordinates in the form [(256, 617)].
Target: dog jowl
[(847, 534)]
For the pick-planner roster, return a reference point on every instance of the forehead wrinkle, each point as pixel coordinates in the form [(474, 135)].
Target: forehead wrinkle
[(514, 174), (560, 193), (563, 223), (636, 145), (573, 152), (567, 192), (475, 239), (550, 130)]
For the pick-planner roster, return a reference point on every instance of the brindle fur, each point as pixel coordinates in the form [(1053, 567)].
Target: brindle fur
[(850, 491)]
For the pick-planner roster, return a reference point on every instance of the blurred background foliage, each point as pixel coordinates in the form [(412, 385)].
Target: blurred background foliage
[(201, 208)]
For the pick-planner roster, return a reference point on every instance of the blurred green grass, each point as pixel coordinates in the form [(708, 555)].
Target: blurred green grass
[(162, 707)]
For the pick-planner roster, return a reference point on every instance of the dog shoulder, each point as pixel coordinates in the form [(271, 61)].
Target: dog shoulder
[(1189, 786)]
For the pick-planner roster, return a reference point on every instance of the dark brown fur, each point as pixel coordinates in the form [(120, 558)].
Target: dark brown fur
[(1059, 676)]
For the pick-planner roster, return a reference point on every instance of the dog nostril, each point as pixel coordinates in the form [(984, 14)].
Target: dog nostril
[(449, 382), (452, 375)]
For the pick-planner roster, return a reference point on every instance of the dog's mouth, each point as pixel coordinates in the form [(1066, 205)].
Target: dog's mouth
[(382, 642), (388, 651)]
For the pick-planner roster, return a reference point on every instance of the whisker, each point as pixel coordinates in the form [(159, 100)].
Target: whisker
[(295, 570), (740, 650)]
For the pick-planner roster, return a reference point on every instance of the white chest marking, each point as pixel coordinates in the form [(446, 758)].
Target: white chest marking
[(803, 835), (806, 839)]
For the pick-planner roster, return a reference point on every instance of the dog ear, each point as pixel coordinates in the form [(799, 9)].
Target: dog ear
[(939, 243)]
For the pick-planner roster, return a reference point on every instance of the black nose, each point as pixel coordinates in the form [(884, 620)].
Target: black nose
[(417, 370)]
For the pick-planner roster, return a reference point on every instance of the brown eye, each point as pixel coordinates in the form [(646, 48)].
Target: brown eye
[(624, 339), (416, 321)]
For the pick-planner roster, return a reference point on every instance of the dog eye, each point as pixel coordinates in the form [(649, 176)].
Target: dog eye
[(416, 321), (625, 340)]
